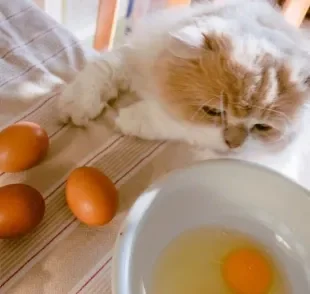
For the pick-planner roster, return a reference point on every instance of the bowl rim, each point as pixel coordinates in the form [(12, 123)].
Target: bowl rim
[(127, 233)]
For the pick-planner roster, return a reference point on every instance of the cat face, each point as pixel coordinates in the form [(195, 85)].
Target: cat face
[(250, 99)]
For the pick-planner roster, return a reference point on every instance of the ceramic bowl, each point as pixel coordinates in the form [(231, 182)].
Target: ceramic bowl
[(227, 193)]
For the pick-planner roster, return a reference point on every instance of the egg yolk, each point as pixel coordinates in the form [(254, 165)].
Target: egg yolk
[(247, 271)]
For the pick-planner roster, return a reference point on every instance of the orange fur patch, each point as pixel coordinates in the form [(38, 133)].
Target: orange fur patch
[(217, 81)]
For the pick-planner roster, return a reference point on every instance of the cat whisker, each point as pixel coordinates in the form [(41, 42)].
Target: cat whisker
[(281, 114), (200, 108), (197, 111), (193, 101), (288, 121), (222, 110)]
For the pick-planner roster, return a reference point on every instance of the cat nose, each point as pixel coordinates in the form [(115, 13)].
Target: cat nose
[(235, 136), (232, 144), (229, 144)]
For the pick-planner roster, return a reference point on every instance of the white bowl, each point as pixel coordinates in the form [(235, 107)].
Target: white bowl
[(231, 193)]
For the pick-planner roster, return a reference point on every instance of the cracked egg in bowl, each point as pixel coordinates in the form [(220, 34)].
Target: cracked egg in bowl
[(222, 227)]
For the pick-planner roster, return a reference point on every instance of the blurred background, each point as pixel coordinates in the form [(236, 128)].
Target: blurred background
[(79, 16)]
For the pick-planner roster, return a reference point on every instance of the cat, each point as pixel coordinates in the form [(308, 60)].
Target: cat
[(231, 76)]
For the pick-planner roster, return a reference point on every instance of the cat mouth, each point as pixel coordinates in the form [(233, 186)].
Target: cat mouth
[(228, 152)]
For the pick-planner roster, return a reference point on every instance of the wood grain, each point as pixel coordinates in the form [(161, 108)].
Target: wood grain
[(106, 24), (179, 2), (295, 11)]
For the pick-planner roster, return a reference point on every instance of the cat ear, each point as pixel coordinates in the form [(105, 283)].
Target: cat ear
[(190, 42), (187, 43), (304, 78), (307, 81), (217, 43)]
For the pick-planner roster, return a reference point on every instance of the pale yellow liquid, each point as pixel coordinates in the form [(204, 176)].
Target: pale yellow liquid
[(191, 264)]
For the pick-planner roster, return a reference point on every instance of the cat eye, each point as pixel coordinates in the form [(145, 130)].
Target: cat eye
[(262, 127), (211, 111)]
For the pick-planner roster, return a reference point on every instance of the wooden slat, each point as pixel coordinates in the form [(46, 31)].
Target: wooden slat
[(295, 11), (106, 24), (179, 2)]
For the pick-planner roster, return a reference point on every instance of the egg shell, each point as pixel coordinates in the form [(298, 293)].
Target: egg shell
[(22, 146), (91, 196), (21, 210)]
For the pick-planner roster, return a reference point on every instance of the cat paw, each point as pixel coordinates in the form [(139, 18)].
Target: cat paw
[(80, 103), (132, 121)]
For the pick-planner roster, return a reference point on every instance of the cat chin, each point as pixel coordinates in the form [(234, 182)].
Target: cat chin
[(211, 138), (253, 149)]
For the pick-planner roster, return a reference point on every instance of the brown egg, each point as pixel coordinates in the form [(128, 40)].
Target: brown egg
[(91, 196), (21, 210), (22, 146)]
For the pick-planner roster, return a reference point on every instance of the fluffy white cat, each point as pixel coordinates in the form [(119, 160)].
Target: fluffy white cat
[(231, 76)]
